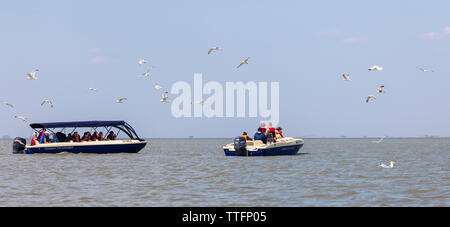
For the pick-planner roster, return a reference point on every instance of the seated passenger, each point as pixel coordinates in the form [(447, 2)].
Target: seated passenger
[(100, 136), (86, 137), (76, 137), (279, 132), (34, 139), (260, 136), (69, 137), (271, 130), (244, 134), (44, 138), (94, 136), (111, 136), (262, 126)]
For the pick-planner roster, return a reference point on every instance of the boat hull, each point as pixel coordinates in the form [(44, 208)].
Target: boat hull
[(89, 149), (273, 151)]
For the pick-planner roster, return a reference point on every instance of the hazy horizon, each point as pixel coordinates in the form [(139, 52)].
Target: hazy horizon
[(305, 46)]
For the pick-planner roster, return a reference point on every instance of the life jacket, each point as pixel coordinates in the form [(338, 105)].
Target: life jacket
[(271, 129), (245, 136), (33, 142), (281, 134), (76, 139), (263, 130), (99, 138)]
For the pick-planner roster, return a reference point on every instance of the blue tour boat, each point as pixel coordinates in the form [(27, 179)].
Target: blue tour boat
[(132, 145)]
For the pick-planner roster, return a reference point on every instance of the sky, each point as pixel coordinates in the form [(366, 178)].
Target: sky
[(305, 46)]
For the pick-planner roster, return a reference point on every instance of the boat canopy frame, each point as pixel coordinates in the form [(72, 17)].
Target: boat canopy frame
[(121, 125)]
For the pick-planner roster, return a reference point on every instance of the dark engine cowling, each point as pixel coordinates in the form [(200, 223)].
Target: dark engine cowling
[(240, 145), (19, 145)]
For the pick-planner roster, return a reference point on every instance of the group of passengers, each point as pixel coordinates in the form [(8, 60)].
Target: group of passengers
[(45, 137), (266, 134)]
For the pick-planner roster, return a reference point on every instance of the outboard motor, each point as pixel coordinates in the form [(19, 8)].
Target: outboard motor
[(240, 145), (19, 145)]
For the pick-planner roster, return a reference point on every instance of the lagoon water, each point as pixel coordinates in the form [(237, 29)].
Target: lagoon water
[(195, 172)]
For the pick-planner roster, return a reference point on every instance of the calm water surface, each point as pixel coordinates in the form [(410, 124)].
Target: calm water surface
[(195, 172)]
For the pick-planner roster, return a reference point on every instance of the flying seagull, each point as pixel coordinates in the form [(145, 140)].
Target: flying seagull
[(380, 140), (32, 75), (346, 77), (120, 100), (92, 89), (146, 74), (380, 89), (243, 62), (165, 97), (21, 118), (158, 87), (425, 70), (370, 97), (390, 166), (213, 49), (8, 104), (47, 101), (375, 68), (141, 62)]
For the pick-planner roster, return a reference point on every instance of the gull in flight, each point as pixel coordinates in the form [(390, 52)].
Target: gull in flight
[(199, 102), (243, 62), (158, 87), (146, 74), (375, 68), (425, 70), (32, 75), (47, 101), (346, 77), (165, 97), (390, 166), (370, 97), (8, 104), (141, 62), (92, 89), (120, 100), (380, 89), (21, 118), (379, 141), (213, 49)]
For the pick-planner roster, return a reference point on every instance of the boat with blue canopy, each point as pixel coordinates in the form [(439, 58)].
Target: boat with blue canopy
[(61, 143)]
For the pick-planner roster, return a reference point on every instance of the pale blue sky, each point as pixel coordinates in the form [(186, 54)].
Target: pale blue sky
[(305, 46)]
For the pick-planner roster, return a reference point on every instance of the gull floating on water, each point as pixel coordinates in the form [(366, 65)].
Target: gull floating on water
[(379, 141), (32, 75), (21, 118), (165, 97), (375, 68), (346, 77), (425, 70), (141, 62), (120, 100), (243, 62), (158, 87), (390, 166), (8, 104), (380, 89), (47, 101), (370, 97), (213, 49)]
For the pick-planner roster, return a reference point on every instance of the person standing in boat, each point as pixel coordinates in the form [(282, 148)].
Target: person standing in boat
[(262, 126), (44, 138), (259, 135)]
